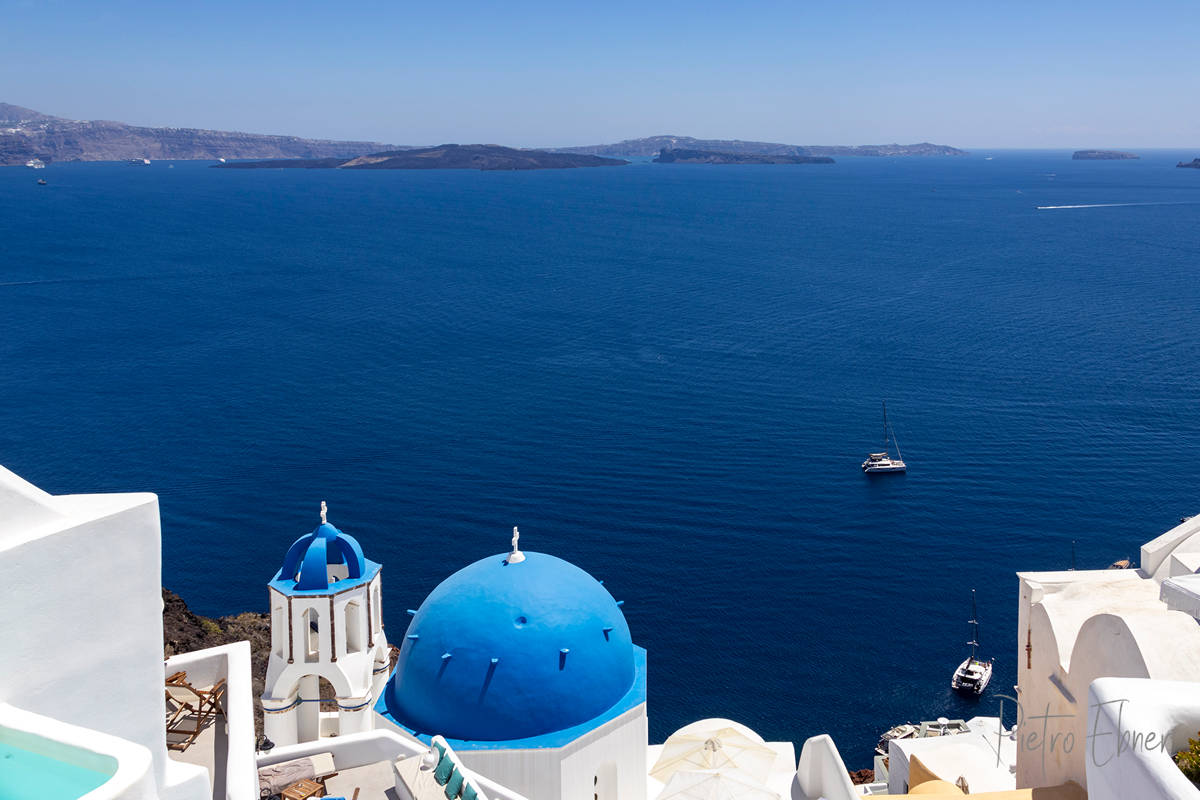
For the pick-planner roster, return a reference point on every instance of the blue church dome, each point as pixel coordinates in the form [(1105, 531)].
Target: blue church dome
[(502, 651), (308, 559)]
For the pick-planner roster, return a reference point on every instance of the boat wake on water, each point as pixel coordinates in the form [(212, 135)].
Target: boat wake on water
[(1112, 205)]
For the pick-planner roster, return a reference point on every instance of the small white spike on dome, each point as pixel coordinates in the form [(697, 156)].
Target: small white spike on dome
[(324, 511), (516, 556)]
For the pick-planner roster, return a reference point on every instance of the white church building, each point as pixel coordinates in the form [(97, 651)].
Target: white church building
[(326, 623), (524, 663)]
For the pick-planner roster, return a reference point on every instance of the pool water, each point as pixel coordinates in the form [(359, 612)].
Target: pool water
[(26, 775)]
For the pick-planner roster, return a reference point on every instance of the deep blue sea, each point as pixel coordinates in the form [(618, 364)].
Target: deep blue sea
[(666, 374)]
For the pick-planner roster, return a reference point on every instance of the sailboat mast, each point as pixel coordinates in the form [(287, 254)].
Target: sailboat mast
[(974, 643), (888, 433), (885, 427)]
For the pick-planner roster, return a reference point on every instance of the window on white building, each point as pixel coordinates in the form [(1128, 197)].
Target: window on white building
[(354, 627), (278, 630), (312, 634)]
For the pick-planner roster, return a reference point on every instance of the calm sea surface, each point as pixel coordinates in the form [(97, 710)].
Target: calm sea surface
[(665, 374)]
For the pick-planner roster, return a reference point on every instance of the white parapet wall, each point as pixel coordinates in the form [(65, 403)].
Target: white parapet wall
[(1173, 552), (821, 772), (235, 770), (82, 622), (1136, 727)]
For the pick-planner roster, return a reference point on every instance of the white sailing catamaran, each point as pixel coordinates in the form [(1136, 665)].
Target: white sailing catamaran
[(883, 462), (972, 675)]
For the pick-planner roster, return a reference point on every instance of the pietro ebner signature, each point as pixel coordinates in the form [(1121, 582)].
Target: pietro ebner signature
[(1102, 745)]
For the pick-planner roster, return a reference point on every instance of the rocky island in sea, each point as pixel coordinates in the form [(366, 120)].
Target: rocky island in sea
[(680, 156), (653, 145), (26, 134), (1193, 164), (446, 156), (1102, 155)]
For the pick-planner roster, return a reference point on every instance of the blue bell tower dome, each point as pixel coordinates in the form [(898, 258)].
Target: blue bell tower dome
[(322, 559), (517, 646)]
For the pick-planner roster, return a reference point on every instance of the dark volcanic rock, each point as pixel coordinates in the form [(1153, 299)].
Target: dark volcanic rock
[(1102, 155), (184, 631), (710, 157), (862, 776), (1193, 164), (477, 156), (655, 144), (26, 134), (447, 156)]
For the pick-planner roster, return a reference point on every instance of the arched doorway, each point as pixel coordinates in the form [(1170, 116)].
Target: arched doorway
[(317, 712)]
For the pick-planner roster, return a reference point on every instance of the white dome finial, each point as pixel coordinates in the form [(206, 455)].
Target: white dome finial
[(516, 556), (324, 510)]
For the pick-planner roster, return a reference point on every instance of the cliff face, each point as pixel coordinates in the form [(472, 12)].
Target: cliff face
[(655, 144), (26, 134), (184, 631)]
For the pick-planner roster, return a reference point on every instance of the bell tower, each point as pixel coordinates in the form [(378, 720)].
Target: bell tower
[(326, 623)]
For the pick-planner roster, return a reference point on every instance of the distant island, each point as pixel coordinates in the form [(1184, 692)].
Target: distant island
[(1102, 155), (679, 156), (27, 134), (1193, 164), (446, 156), (653, 145)]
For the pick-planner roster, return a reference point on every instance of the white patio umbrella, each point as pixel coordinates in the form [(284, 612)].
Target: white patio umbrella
[(712, 786), (715, 744)]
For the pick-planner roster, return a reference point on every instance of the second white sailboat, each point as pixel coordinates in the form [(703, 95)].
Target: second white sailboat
[(883, 462)]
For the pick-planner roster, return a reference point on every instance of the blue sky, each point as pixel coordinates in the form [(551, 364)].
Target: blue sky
[(1013, 74)]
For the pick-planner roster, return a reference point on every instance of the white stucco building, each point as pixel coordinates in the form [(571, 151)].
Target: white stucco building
[(1137, 723), (983, 758), (82, 672), (1075, 627)]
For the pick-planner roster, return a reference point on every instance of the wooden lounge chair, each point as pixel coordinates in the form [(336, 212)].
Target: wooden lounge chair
[(190, 710)]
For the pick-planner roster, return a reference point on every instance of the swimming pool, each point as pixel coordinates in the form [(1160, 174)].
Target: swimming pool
[(29, 775)]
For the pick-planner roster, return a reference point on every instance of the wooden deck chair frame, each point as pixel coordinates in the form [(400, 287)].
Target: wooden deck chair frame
[(194, 709)]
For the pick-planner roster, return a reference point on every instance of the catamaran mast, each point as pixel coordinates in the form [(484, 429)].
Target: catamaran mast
[(974, 623), (885, 428), (899, 457)]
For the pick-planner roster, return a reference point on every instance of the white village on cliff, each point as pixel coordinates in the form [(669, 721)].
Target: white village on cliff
[(518, 677)]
